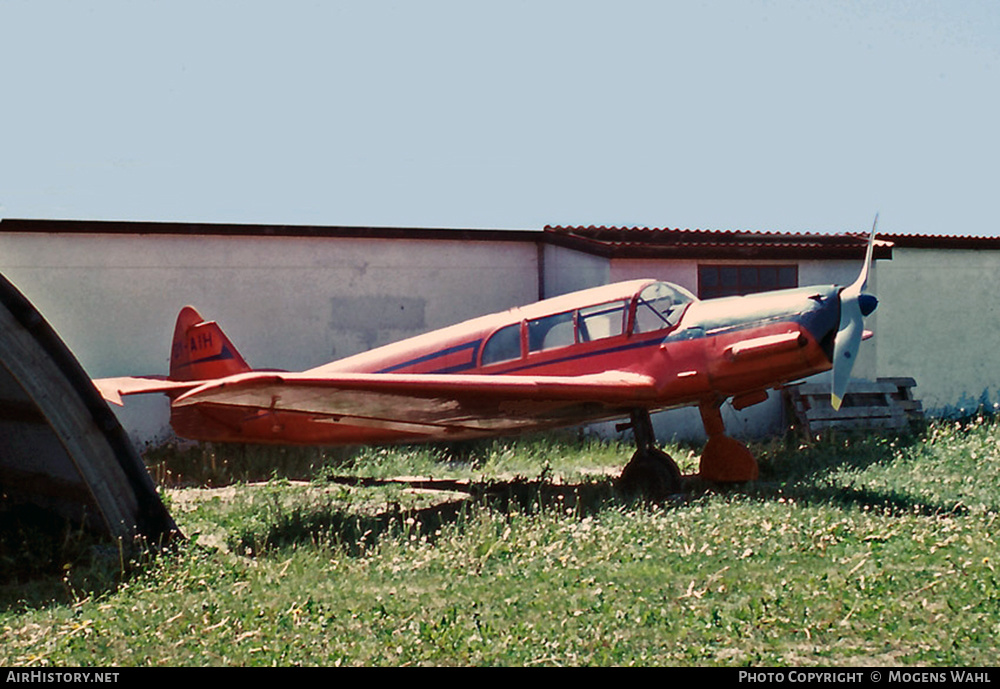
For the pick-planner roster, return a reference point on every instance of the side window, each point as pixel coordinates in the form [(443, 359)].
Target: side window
[(504, 345), (550, 332), (603, 320)]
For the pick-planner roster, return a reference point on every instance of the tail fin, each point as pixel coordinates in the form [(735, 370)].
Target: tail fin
[(201, 351)]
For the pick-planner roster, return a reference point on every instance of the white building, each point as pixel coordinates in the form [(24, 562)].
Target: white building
[(939, 319)]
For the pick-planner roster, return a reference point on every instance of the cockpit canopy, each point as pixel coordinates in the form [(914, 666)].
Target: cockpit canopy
[(658, 306)]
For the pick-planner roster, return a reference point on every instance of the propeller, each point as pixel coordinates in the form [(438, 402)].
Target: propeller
[(855, 304)]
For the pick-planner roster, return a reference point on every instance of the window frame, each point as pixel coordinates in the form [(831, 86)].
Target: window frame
[(494, 338), (744, 284), (641, 305)]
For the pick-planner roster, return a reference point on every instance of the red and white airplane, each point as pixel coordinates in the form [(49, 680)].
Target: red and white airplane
[(621, 350)]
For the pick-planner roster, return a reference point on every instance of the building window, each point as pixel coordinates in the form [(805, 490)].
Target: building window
[(732, 280)]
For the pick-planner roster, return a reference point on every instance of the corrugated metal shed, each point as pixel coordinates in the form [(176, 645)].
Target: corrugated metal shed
[(61, 448)]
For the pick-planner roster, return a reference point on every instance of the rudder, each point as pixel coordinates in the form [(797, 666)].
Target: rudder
[(201, 351)]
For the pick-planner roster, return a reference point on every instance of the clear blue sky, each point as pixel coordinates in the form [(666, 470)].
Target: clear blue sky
[(748, 114)]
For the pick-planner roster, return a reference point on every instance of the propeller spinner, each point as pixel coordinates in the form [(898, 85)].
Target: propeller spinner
[(855, 304)]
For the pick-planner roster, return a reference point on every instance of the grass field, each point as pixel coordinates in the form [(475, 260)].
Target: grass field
[(849, 551)]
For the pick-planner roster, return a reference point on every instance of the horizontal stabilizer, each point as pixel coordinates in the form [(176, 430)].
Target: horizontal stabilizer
[(113, 389)]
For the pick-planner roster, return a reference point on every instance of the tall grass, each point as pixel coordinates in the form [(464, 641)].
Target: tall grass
[(850, 551)]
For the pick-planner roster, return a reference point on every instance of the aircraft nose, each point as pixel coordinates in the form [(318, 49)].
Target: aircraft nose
[(822, 317), (867, 303)]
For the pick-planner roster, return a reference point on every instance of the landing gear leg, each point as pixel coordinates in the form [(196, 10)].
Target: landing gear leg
[(724, 459), (651, 472)]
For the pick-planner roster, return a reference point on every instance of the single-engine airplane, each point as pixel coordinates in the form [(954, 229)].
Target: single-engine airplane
[(621, 350)]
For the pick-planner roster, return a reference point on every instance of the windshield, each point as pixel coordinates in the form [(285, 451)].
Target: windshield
[(659, 306)]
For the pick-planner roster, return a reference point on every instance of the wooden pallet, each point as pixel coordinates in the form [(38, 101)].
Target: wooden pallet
[(885, 403)]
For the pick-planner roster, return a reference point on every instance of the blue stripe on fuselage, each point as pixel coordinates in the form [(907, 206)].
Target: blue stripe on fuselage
[(474, 346)]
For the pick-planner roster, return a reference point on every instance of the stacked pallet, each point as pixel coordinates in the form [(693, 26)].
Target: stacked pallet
[(885, 403)]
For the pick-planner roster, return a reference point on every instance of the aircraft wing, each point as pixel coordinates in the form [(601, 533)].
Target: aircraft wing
[(430, 404)]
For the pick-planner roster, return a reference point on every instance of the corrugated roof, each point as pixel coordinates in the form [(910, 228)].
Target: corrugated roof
[(644, 242), (940, 241)]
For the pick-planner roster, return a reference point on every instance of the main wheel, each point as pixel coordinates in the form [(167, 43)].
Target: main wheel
[(652, 474)]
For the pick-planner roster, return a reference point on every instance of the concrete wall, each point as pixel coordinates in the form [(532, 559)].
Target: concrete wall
[(286, 302), (566, 270), (940, 320), (683, 273)]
